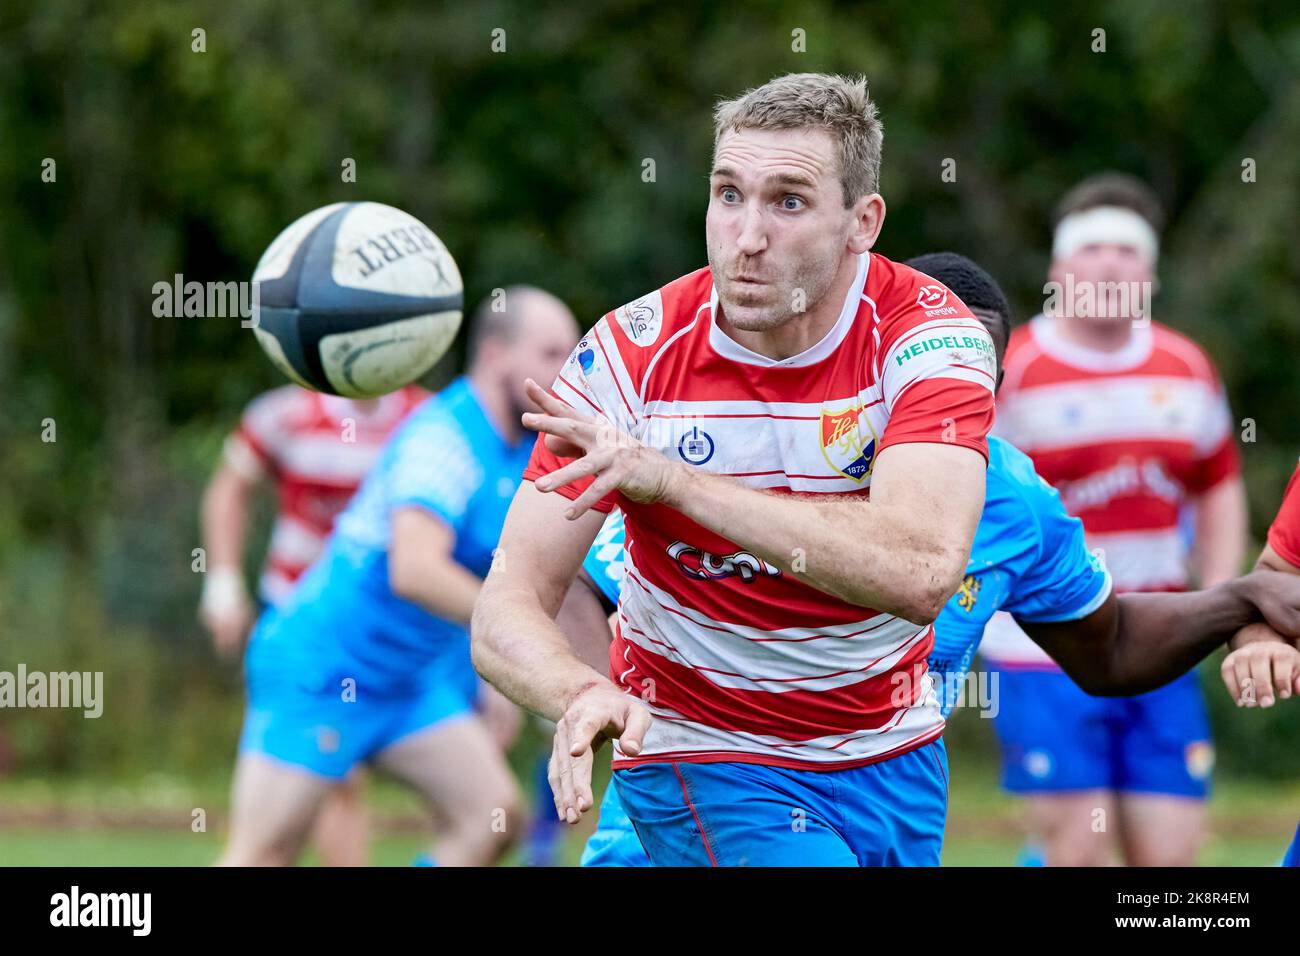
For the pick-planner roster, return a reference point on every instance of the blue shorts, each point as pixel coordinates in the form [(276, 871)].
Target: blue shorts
[(615, 842), (890, 813), (1057, 738), (306, 716)]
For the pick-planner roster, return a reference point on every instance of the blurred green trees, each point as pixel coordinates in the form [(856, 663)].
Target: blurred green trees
[(530, 164)]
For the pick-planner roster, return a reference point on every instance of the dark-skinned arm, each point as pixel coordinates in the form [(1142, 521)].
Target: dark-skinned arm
[(1134, 643)]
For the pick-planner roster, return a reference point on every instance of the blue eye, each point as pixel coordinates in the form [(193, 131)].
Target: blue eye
[(728, 194), (792, 202)]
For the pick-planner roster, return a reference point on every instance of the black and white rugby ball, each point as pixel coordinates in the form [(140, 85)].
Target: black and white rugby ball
[(356, 299)]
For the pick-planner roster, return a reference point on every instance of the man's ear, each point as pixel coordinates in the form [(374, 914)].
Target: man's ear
[(868, 219)]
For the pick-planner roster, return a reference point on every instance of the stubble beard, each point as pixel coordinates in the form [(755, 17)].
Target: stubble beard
[(768, 307)]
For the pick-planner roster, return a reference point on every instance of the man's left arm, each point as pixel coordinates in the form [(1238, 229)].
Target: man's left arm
[(904, 551), (1133, 643), (421, 567), (1127, 644)]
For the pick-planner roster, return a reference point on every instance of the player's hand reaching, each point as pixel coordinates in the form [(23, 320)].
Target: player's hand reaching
[(1276, 595), (600, 713), (1261, 667), (617, 460)]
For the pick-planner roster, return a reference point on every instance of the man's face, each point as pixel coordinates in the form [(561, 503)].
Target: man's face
[(546, 335), (1107, 265), (777, 228)]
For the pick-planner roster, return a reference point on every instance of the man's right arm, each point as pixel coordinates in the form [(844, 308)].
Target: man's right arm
[(517, 646), (225, 607)]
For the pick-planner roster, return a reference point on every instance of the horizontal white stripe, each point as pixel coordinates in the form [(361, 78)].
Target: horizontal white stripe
[(294, 542), (1049, 339), (1133, 408), (674, 735), (327, 457), (1139, 560), (736, 655), (902, 368), (243, 459), (703, 410)]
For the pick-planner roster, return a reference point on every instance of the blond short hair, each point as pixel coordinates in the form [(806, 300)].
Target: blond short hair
[(838, 104)]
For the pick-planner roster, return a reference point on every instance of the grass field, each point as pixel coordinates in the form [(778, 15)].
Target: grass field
[(151, 823)]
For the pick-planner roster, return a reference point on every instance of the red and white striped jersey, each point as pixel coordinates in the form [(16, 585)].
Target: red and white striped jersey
[(737, 661), (1284, 532), (317, 448), (1127, 438)]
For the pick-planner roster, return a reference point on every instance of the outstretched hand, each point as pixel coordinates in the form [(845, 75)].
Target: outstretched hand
[(616, 460)]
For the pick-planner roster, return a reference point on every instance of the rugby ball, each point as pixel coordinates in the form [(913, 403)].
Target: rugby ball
[(356, 299)]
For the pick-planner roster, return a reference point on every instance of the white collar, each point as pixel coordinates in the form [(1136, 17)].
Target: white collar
[(1135, 351), (729, 348)]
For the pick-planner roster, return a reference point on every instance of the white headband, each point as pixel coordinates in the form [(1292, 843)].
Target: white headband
[(1104, 224)]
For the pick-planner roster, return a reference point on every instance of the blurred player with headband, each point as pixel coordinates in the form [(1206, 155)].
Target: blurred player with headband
[(1127, 419)]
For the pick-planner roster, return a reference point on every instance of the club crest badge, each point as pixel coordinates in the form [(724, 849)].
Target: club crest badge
[(847, 449)]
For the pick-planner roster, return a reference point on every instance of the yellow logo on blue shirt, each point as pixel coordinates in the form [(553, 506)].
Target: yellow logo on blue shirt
[(968, 593)]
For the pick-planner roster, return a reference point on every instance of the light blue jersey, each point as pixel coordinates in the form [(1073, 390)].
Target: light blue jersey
[(1028, 558), (344, 628), (604, 561)]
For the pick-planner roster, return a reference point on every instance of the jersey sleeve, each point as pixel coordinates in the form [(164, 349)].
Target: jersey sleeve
[(1284, 532), (1067, 582), (1217, 455), (936, 373), (257, 445), (594, 381), (433, 467)]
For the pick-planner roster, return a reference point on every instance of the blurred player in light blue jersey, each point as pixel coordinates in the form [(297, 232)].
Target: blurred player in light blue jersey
[(368, 659), (1028, 558)]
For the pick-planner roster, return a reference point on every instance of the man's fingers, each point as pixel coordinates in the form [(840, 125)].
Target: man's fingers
[(588, 499), (584, 799), (563, 448), (1284, 673), (574, 471), (570, 429), (1228, 671), (584, 730), (632, 738), (1261, 674), (555, 769), (568, 800), (553, 778), (1246, 684), (544, 399)]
